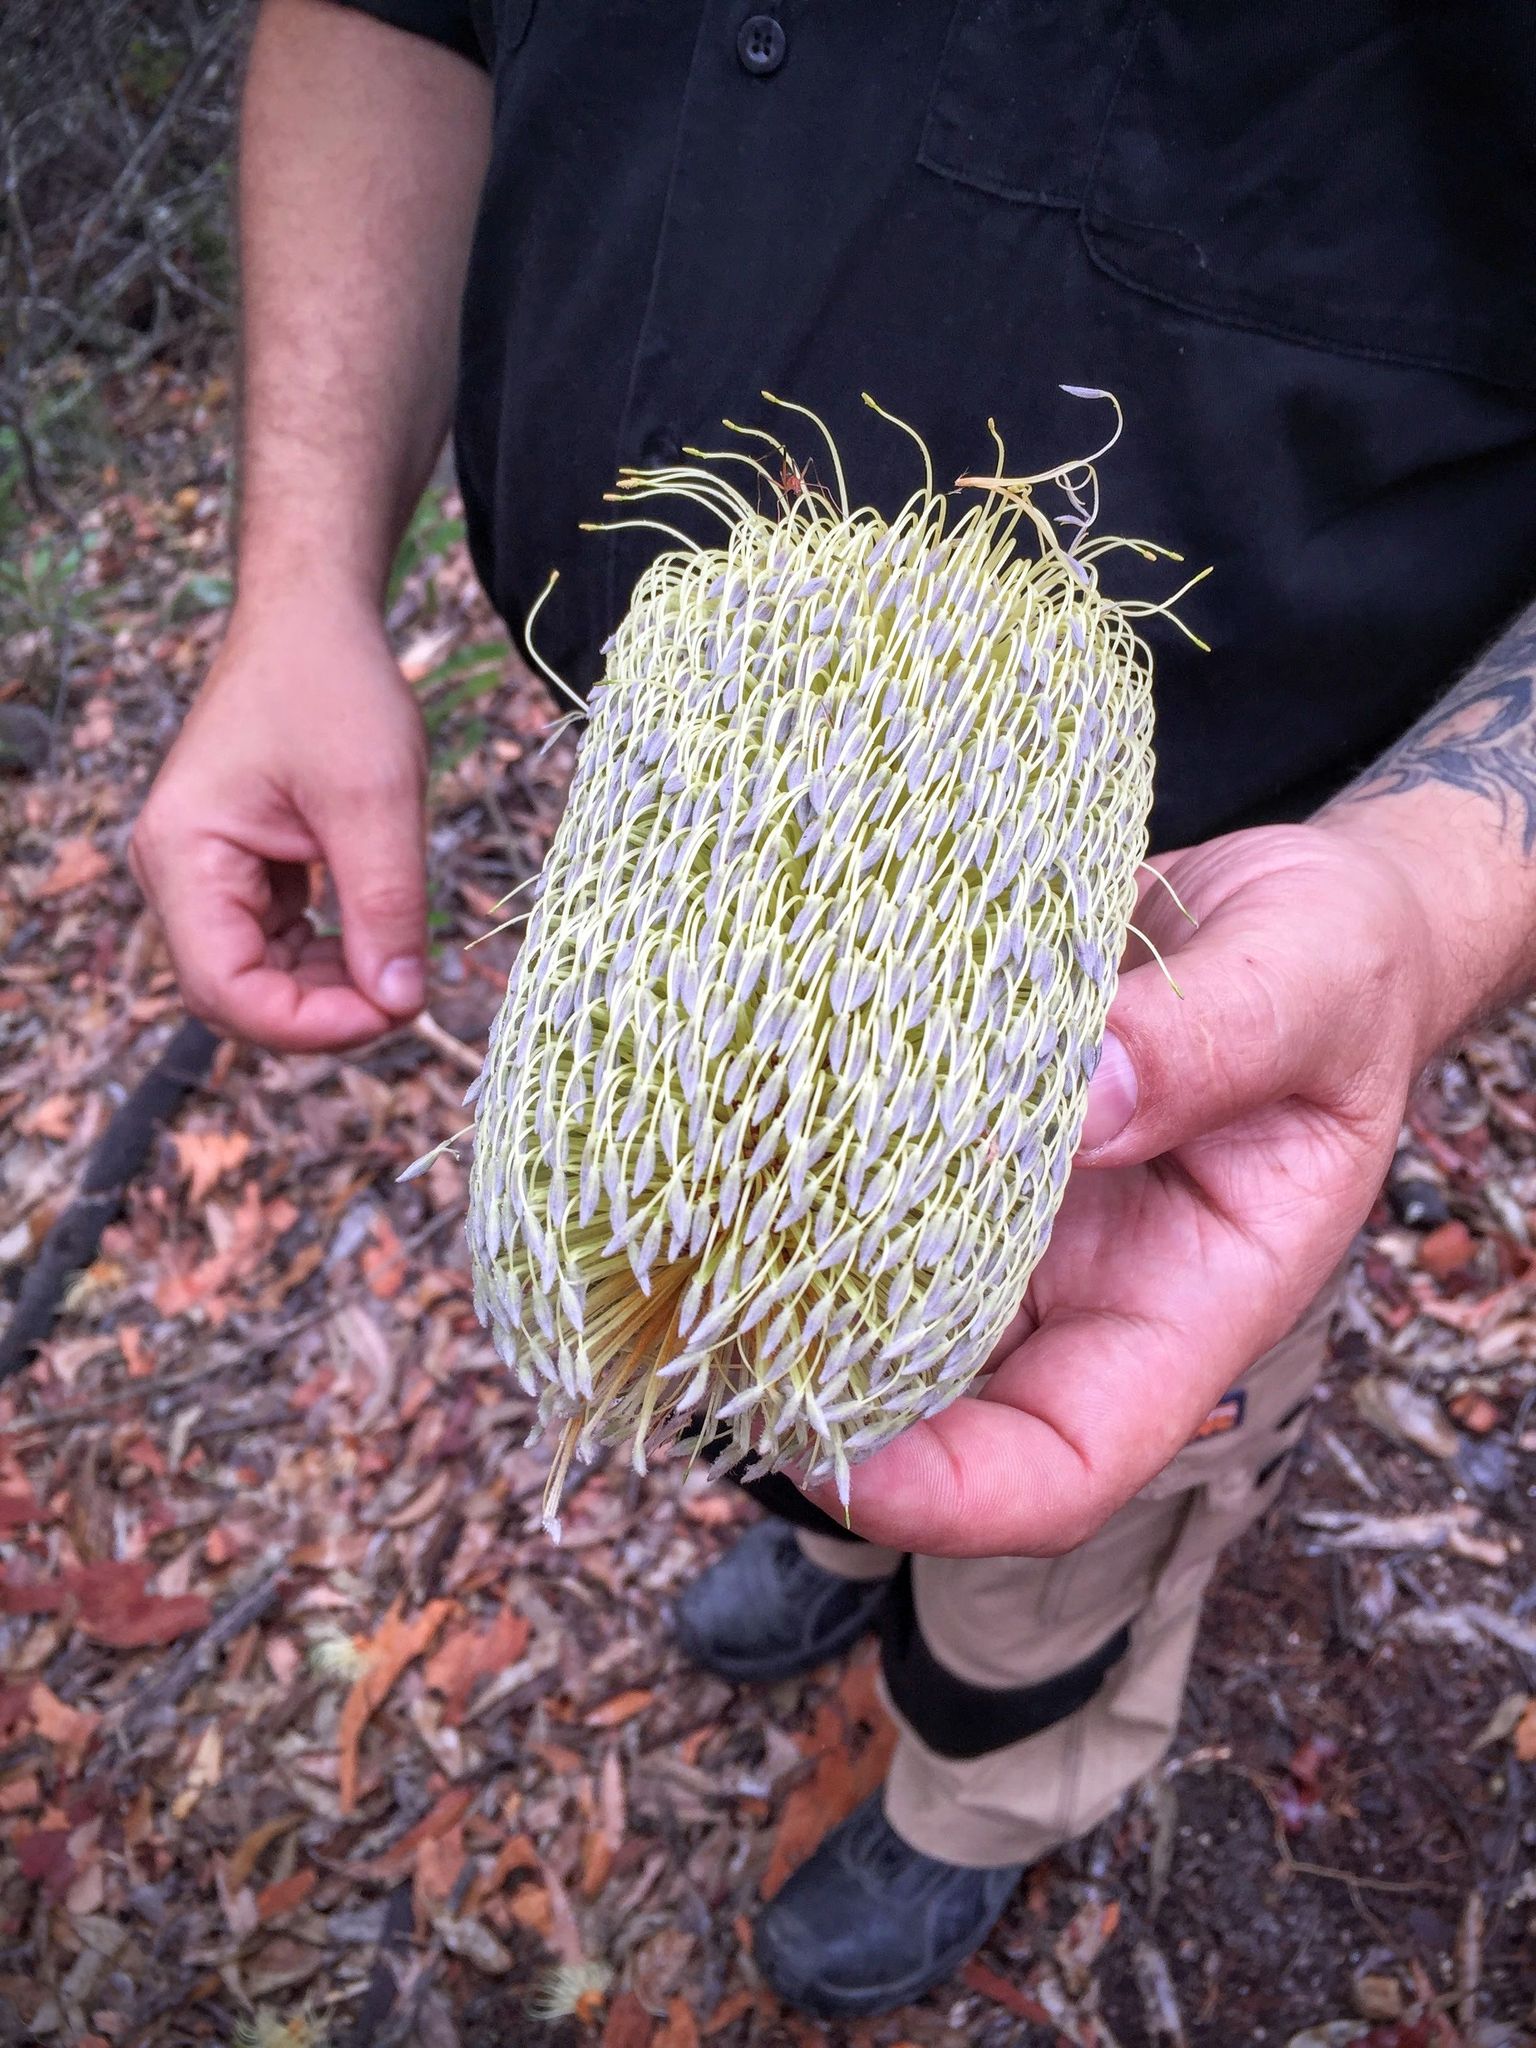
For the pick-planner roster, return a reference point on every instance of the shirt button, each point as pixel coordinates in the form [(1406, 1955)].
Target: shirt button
[(761, 45)]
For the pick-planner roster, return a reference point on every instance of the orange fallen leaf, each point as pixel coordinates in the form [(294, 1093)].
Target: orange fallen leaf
[(1446, 1250), (130, 1341), (117, 1609), (396, 1644), (732, 2008), (238, 1869), (18, 1795), (274, 1900), (621, 1708), (680, 2029), (596, 1863), (470, 1654), (19, 1509), (77, 862), (689, 1747), (531, 1909), (448, 1811), (204, 1157), (1525, 1735), (628, 2024), (836, 1786), (439, 1866), (54, 1117), (383, 1260), (557, 1757), (517, 1854), (989, 1984), (67, 1728)]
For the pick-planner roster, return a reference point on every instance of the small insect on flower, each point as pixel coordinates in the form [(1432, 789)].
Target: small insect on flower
[(778, 1110)]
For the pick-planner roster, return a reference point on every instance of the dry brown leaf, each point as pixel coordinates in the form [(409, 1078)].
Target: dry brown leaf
[(612, 1806), (531, 1909), (596, 1863), (440, 1863), (20, 1795), (136, 1355), (621, 1708), (833, 1790), (980, 1978), (238, 1869), (117, 1609), (663, 1966), (680, 2029), (383, 1261), (274, 1900), (396, 1644), (19, 1509), (447, 1813), (77, 863), (56, 1116), (204, 1157), (470, 1654), (475, 1943), (67, 1728), (1525, 1735), (628, 2024), (1445, 1251), (732, 2008)]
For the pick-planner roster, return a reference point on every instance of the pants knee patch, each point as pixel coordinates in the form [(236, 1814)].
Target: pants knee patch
[(958, 1719)]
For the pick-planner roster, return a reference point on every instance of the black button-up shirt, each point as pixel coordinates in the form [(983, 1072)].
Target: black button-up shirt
[(1298, 241)]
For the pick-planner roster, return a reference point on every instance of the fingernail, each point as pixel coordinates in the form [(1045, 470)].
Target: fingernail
[(403, 985), (1111, 1096)]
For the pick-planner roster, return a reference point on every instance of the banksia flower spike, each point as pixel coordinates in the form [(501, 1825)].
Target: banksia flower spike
[(782, 1099)]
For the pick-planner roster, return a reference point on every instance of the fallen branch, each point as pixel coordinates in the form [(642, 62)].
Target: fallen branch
[(463, 1056), (72, 1242), (166, 1688)]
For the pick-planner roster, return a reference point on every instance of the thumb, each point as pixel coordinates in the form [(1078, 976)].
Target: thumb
[(1243, 1032), (374, 845)]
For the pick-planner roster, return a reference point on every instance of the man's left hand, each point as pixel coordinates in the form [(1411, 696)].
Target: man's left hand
[(1235, 1142)]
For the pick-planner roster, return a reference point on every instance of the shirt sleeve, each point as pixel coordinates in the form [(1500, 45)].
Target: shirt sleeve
[(449, 22)]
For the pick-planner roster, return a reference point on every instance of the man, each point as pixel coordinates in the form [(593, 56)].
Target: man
[(1296, 243)]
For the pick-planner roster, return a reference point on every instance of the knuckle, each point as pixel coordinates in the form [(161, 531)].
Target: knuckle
[(385, 785), (145, 839), (388, 902), (199, 998)]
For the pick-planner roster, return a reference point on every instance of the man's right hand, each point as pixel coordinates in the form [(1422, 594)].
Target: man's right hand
[(305, 744)]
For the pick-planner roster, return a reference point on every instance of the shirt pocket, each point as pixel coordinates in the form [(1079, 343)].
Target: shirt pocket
[(1021, 92), (501, 25), (1359, 176)]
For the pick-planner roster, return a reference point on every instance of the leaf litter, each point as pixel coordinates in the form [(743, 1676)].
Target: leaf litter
[(311, 1740)]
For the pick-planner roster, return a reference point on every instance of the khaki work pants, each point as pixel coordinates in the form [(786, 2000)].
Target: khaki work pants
[(1094, 1645)]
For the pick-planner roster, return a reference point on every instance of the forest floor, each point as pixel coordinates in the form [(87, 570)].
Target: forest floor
[(307, 1733)]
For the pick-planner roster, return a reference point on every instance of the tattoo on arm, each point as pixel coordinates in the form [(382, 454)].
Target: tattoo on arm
[(1480, 737)]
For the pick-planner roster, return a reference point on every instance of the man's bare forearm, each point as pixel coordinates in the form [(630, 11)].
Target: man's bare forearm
[(1480, 739), (362, 153), (1454, 801)]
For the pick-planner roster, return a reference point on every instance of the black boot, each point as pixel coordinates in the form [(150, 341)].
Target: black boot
[(766, 1612), (868, 1923)]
